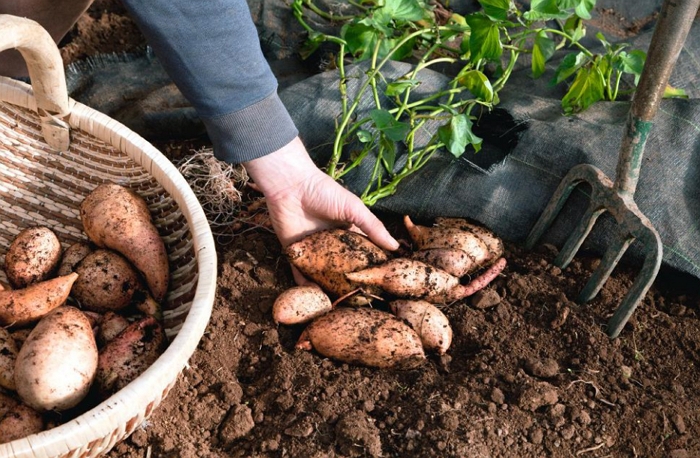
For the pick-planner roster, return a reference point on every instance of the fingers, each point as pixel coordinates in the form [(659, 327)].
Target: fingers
[(370, 225)]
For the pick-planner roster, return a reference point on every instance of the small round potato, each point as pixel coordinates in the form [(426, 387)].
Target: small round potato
[(57, 363), (33, 256), (72, 257), (300, 304), (429, 322), (107, 281)]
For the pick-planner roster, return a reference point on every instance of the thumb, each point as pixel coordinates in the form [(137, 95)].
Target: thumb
[(371, 226)]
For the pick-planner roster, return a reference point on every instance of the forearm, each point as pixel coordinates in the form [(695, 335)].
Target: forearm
[(212, 52)]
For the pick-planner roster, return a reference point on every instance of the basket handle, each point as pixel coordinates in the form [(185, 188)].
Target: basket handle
[(47, 74)]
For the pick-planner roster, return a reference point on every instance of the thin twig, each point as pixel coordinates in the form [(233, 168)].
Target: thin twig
[(590, 449)]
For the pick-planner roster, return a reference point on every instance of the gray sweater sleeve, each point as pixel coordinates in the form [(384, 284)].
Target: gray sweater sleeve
[(212, 52)]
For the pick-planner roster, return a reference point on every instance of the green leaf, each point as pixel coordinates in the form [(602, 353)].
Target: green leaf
[(587, 89), (364, 136), (404, 10), (402, 52), (485, 38), (360, 39), (478, 84), (542, 51), (398, 87), (379, 21), (633, 63), (545, 10), (387, 125), (568, 66), (671, 92), (496, 9), (457, 134), (575, 28), (582, 8)]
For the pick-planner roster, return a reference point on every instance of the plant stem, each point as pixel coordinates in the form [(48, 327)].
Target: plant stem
[(329, 16)]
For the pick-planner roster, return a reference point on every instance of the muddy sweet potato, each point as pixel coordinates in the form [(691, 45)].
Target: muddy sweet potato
[(413, 279), (364, 336), (300, 304), (56, 365), (452, 260), (448, 237), (128, 355), (72, 257), (107, 282), (8, 355), (494, 244), (20, 421), (428, 321), (325, 256), (111, 325), (33, 256), (116, 217), (19, 307)]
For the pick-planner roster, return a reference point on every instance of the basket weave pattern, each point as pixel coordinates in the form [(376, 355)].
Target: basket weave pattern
[(39, 186)]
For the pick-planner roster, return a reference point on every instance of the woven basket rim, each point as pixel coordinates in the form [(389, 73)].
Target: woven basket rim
[(110, 417)]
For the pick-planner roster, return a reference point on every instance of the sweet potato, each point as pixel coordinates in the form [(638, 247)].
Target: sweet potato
[(32, 257), (364, 336), (300, 304), (115, 217), (494, 244), (325, 256), (21, 421), (448, 237), (19, 307), (8, 355), (452, 260), (72, 257), (128, 355), (7, 403), (412, 279), (56, 365), (107, 281), (428, 321), (111, 326)]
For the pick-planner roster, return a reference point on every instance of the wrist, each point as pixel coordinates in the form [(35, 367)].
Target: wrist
[(282, 169)]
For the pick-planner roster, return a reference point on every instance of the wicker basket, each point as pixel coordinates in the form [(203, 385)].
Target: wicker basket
[(53, 152)]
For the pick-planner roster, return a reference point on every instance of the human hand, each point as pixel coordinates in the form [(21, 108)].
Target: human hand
[(301, 199)]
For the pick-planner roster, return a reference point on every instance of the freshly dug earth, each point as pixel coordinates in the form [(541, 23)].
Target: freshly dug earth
[(530, 372)]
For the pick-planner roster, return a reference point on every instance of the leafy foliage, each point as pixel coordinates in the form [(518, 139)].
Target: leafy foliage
[(485, 44)]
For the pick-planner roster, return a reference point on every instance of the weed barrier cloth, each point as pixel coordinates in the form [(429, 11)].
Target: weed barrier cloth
[(528, 147)]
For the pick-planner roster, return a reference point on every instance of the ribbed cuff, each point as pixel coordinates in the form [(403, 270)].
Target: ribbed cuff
[(252, 132)]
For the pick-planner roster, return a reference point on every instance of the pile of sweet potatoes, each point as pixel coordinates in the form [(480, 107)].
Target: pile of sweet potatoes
[(79, 324), (447, 262)]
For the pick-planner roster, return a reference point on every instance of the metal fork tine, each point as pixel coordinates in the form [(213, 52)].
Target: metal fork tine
[(607, 265), (650, 268), (556, 203), (578, 235)]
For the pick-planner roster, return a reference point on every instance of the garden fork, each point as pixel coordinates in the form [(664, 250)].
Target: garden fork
[(617, 198)]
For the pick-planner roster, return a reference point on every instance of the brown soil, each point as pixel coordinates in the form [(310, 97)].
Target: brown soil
[(531, 373)]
